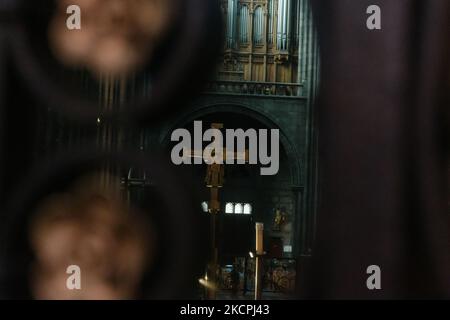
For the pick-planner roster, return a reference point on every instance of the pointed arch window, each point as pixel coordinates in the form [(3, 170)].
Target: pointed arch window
[(247, 208), (238, 208), (229, 208)]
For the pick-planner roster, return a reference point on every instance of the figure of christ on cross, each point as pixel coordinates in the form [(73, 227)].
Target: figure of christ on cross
[(214, 180)]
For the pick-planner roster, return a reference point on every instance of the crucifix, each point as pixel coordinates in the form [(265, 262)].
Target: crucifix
[(214, 180)]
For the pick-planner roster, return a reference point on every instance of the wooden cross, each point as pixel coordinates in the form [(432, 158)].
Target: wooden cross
[(214, 180)]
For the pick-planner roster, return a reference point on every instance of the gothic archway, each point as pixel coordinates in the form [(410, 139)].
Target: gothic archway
[(285, 193), (265, 119)]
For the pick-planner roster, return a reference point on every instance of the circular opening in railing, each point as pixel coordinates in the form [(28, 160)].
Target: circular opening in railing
[(94, 58), (104, 227)]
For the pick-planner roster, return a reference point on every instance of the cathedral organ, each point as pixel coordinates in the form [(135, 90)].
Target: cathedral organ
[(265, 40)]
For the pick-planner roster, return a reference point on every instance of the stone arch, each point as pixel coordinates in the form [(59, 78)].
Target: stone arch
[(258, 115)]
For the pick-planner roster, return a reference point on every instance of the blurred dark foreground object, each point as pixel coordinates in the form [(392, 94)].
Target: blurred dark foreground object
[(151, 246), (94, 229), (157, 46), (117, 36), (384, 151)]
